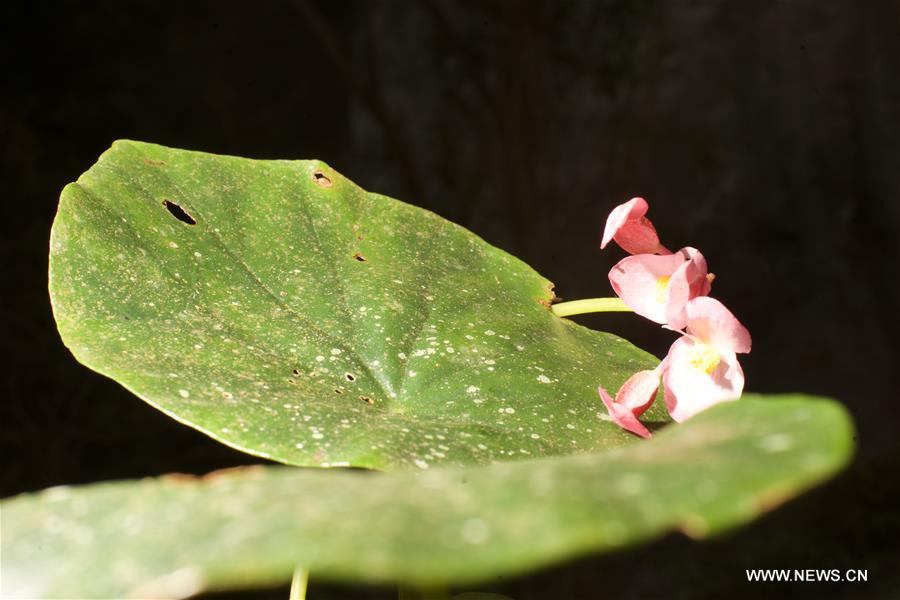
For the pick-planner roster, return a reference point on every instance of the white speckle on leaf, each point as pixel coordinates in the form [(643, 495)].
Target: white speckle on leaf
[(320, 358), (335, 351), (472, 389), (421, 463), (475, 531), (778, 442), (632, 484), (543, 379), (184, 393), (490, 332), (173, 245)]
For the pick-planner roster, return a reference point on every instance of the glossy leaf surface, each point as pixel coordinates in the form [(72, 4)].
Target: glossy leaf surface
[(285, 311)]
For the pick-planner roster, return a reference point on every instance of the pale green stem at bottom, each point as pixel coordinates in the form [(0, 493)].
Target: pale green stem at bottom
[(298, 584), (591, 305)]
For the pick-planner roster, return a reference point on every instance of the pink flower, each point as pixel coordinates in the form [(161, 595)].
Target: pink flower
[(658, 287), (633, 399), (631, 230), (701, 368)]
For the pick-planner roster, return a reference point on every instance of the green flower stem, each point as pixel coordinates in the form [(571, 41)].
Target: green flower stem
[(298, 584), (591, 305)]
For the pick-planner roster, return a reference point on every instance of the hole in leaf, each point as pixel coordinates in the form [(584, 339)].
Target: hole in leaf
[(291, 381), (360, 257), (367, 400), (350, 376), (321, 179), (338, 391), (296, 371), (179, 213)]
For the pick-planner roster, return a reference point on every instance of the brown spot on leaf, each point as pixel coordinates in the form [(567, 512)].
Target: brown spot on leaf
[(546, 303), (367, 400), (321, 179), (154, 163), (360, 257)]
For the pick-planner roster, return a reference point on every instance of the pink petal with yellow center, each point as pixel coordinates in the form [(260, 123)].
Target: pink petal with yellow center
[(631, 230), (709, 321), (696, 376), (642, 282), (658, 287), (687, 282)]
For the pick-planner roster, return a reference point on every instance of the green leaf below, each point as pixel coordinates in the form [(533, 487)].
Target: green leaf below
[(175, 536)]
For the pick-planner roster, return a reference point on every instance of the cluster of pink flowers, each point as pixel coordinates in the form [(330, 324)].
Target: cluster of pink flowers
[(701, 368)]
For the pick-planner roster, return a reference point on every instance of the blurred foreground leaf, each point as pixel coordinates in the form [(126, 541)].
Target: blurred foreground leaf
[(177, 535)]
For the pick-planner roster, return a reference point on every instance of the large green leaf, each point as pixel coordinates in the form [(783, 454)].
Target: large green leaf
[(173, 536), (284, 311)]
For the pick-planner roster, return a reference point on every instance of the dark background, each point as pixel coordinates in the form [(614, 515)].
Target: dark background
[(765, 133)]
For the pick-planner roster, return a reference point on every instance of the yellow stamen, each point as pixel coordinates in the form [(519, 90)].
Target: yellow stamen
[(705, 358), (662, 286)]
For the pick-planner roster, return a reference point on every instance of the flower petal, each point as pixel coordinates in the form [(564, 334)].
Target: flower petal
[(639, 392), (631, 230), (641, 281), (697, 376), (687, 282), (708, 320), (631, 210), (623, 417)]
